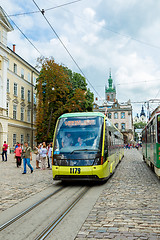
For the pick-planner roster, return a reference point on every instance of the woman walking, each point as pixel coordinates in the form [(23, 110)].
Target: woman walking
[(18, 152), (37, 152), (43, 154), (50, 155)]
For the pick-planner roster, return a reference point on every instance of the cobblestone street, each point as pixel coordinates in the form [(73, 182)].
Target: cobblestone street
[(129, 207), (15, 186)]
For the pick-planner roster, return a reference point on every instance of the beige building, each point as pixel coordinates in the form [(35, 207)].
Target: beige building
[(17, 92), (119, 114)]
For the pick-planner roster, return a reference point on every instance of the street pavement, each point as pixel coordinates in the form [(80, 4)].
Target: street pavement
[(16, 187), (129, 207)]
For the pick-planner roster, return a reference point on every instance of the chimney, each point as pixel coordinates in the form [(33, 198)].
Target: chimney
[(14, 47)]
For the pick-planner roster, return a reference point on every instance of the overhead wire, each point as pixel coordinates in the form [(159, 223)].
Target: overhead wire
[(66, 48), (154, 80), (116, 32), (108, 29), (48, 9), (23, 34)]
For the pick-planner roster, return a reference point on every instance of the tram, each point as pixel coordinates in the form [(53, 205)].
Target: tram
[(86, 146), (151, 143)]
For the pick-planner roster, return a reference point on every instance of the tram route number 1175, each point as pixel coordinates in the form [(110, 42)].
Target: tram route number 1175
[(75, 170)]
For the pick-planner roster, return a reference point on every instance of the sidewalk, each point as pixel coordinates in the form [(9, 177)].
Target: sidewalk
[(129, 207), (15, 186)]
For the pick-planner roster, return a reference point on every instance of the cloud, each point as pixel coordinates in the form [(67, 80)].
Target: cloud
[(99, 35)]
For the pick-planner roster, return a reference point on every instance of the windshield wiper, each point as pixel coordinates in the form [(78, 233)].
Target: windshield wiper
[(86, 150)]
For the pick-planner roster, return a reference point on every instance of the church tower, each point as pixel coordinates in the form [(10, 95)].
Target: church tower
[(110, 91)]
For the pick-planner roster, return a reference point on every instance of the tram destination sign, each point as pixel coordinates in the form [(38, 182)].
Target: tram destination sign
[(80, 122)]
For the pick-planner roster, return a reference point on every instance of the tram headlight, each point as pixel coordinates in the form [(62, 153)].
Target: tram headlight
[(55, 162), (97, 161)]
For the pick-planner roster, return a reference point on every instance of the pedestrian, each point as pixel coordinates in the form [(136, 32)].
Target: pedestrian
[(50, 155), (4, 151), (27, 157), (37, 152), (16, 145), (43, 155), (18, 152), (48, 146)]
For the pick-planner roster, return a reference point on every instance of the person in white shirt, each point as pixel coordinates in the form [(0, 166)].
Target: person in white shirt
[(50, 155), (43, 154)]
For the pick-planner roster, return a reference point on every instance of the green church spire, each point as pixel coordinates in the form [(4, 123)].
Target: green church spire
[(110, 81), (110, 91)]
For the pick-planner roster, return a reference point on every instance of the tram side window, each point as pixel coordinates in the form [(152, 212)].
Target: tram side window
[(148, 134), (158, 128), (106, 140), (144, 136)]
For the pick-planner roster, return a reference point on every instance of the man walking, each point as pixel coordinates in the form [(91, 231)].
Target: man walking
[(4, 152), (27, 156)]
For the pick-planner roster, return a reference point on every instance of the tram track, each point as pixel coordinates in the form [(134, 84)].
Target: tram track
[(27, 210), (41, 219), (50, 228)]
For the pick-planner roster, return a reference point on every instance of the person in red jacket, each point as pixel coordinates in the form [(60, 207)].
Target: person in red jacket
[(18, 152), (4, 148)]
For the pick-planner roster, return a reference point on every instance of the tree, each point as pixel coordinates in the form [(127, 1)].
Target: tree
[(59, 91), (139, 125)]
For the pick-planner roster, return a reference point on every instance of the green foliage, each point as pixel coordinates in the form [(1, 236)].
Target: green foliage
[(139, 125), (59, 91)]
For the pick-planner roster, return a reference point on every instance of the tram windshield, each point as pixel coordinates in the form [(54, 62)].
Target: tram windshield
[(158, 128), (75, 134)]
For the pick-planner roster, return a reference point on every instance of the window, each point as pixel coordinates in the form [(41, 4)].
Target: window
[(29, 96), (7, 109), (22, 73), (116, 124), (15, 89), (14, 140), (123, 126), (28, 115), (14, 111), (7, 85), (22, 113), (28, 139), (109, 115), (34, 81), (34, 98), (115, 115), (29, 77), (22, 139), (123, 115), (15, 68), (34, 116), (8, 64), (22, 93)]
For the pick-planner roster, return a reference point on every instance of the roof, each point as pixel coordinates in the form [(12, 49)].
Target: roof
[(4, 20), (22, 59), (82, 114)]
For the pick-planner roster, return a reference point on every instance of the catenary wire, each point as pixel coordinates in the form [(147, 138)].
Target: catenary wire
[(48, 9), (115, 32), (23, 34), (66, 49), (107, 29)]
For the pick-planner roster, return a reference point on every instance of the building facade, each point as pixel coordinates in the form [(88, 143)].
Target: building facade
[(119, 114), (17, 91), (141, 117)]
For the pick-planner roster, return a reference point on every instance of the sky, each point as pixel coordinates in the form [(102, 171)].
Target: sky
[(94, 37)]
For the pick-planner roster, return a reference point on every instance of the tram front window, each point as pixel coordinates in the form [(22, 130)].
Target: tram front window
[(77, 138)]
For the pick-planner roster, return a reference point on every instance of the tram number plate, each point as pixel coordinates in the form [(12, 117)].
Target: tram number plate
[(75, 170)]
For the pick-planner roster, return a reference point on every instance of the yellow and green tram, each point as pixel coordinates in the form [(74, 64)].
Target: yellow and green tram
[(151, 143), (86, 146)]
